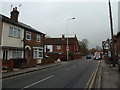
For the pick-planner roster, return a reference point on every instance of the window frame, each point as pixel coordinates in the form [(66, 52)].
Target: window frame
[(38, 38), (13, 32), (58, 47), (28, 33), (37, 51)]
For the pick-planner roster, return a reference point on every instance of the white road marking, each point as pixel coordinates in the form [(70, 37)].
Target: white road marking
[(38, 82)]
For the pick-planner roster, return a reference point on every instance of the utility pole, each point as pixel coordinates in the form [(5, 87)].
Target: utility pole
[(112, 36)]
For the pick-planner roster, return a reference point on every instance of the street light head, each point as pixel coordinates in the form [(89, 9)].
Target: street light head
[(73, 18)]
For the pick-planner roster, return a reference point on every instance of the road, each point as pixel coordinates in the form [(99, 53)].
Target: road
[(71, 74)]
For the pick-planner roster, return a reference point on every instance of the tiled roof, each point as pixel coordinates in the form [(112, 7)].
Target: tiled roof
[(9, 20), (59, 41)]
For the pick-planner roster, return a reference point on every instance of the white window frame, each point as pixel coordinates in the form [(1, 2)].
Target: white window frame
[(16, 54), (58, 47), (38, 39), (13, 32), (28, 33), (38, 50)]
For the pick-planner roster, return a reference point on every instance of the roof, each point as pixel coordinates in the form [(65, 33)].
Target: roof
[(118, 33), (59, 41), (20, 24)]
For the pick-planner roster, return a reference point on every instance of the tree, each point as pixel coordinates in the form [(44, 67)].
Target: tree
[(92, 50), (84, 47)]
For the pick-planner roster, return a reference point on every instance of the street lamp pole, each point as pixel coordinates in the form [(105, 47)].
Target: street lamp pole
[(67, 48), (112, 36)]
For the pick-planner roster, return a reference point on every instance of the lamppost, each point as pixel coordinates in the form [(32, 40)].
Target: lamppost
[(67, 48), (112, 36)]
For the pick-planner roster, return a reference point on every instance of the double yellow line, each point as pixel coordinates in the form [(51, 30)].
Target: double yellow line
[(92, 78)]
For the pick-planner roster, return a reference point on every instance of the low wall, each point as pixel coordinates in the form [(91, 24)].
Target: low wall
[(56, 56), (31, 63), (7, 63), (47, 60), (77, 56), (24, 63)]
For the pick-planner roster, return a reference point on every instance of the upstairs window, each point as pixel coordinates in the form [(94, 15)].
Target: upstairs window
[(28, 35), (58, 47), (38, 37), (14, 32)]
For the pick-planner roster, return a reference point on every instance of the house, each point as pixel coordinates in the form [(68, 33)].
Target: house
[(106, 47), (33, 44), (117, 45), (58, 45), (18, 40)]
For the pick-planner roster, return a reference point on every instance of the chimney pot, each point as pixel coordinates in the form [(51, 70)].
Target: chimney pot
[(14, 14), (63, 36)]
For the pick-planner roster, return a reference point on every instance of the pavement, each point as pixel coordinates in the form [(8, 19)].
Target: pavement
[(108, 77), (27, 70)]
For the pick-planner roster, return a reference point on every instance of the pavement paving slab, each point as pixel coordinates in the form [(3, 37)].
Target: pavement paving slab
[(110, 76)]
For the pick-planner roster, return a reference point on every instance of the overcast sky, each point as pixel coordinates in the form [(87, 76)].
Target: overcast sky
[(91, 18)]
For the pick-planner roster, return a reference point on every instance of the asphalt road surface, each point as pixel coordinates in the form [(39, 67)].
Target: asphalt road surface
[(71, 74)]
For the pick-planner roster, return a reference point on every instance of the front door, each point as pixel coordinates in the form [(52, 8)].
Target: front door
[(26, 53)]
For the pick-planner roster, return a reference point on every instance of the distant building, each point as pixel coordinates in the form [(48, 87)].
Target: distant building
[(58, 45)]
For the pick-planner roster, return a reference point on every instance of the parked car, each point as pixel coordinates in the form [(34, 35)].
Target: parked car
[(88, 56)]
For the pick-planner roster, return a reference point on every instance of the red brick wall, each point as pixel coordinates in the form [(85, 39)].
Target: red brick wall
[(117, 45), (33, 41), (63, 48), (8, 63), (77, 56)]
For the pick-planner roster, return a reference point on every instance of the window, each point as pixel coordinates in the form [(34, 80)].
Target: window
[(5, 54), (28, 35), (17, 54), (37, 53), (10, 31), (19, 33), (38, 38), (58, 47), (14, 32)]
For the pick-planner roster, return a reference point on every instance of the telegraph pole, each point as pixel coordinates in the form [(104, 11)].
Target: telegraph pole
[(112, 36)]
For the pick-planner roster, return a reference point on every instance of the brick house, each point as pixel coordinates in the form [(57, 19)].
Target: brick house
[(33, 44), (15, 43), (106, 47), (117, 45), (58, 45)]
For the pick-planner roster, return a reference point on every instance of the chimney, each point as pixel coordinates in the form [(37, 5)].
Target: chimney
[(75, 36), (63, 36), (14, 14)]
